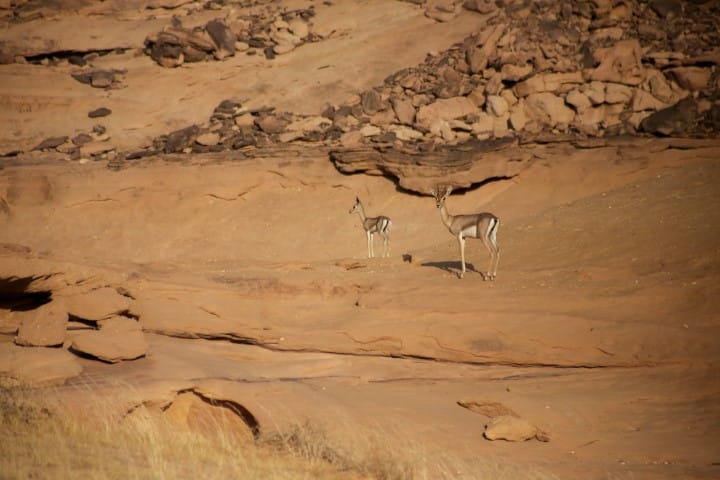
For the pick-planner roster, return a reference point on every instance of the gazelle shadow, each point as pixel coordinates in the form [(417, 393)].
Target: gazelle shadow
[(451, 267)]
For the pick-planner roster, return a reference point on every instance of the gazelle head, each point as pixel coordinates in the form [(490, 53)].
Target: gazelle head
[(355, 206), (441, 193)]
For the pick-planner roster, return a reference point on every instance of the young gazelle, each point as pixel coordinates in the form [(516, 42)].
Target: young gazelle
[(477, 225), (373, 225)]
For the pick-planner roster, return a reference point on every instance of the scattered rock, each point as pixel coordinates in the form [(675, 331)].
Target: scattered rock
[(672, 120), (621, 63), (50, 143), (99, 112), (97, 304), (513, 429), (117, 340), (44, 326)]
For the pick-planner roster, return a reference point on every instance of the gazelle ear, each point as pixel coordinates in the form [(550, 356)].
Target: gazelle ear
[(432, 192), (447, 192), (357, 199)]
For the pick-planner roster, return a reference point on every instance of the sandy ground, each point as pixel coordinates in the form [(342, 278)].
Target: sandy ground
[(601, 329)]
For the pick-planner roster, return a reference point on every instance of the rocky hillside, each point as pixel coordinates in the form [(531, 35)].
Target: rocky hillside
[(532, 71)]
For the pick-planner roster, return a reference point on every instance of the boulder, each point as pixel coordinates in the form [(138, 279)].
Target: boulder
[(404, 110), (442, 10), (223, 38), (481, 47), (208, 139), (97, 304), (445, 109), (547, 82), (643, 100), (691, 78), (548, 109), (371, 102), (618, 93), (578, 100), (621, 63), (179, 140), (513, 429), (44, 326), (496, 105), (117, 339), (269, 123), (673, 120)]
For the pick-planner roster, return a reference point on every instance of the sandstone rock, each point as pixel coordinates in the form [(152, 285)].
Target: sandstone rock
[(440, 127), (515, 73), (283, 48), (50, 143), (97, 304), (99, 112), (118, 339), (405, 133), (94, 148), (480, 6), (497, 105), (621, 63), (691, 78), (643, 100), (441, 10), (547, 82), (371, 102), (518, 119), (483, 125), (658, 85), (35, 367), (191, 411), (223, 38), (404, 110), (672, 120), (208, 139), (477, 56), (445, 109), (513, 429), (578, 100), (44, 326), (595, 91), (309, 124), (299, 28), (351, 139), (178, 140), (548, 109), (618, 93), (370, 130), (269, 123), (477, 96)]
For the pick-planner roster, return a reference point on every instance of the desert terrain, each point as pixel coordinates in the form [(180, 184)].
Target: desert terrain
[(175, 238)]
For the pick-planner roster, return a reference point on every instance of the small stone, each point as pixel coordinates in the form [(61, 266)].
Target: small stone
[(99, 112)]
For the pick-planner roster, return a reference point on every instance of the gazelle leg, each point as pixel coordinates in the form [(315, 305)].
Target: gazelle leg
[(461, 241), (497, 260), (369, 244), (386, 246)]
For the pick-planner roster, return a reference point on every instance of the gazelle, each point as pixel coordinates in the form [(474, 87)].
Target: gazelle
[(373, 225), (476, 225)]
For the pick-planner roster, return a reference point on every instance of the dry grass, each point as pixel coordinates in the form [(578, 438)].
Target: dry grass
[(42, 438)]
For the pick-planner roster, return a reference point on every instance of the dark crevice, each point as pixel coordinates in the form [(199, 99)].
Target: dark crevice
[(77, 57), (16, 294), (232, 338)]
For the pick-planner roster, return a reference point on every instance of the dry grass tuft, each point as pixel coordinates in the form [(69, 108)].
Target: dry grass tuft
[(43, 438)]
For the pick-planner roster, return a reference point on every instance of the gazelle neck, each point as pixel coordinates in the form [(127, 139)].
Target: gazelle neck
[(445, 216), (361, 211)]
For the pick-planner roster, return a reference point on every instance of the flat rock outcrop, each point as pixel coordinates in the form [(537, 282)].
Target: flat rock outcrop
[(36, 366), (117, 339), (44, 326)]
